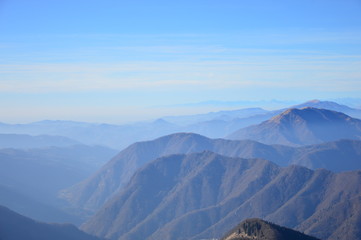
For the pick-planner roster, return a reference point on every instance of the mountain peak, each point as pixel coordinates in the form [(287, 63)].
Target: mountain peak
[(258, 229), (334, 106), (160, 121), (290, 113), (314, 101), (303, 126), (309, 114)]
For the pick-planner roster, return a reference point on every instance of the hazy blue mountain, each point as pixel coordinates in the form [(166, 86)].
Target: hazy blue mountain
[(214, 124), (212, 128), (198, 196), (94, 191), (28, 141), (27, 206), (337, 156), (221, 127), (17, 227), (302, 127), (351, 102), (39, 174), (43, 172), (229, 115), (88, 158), (329, 105), (114, 136), (274, 103), (258, 229)]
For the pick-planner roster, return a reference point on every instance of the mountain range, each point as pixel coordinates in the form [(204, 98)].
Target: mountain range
[(213, 124), (188, 120), (302, 127), (287, 168), (198, 196), (231, 121), (342, 155), (109, 135)]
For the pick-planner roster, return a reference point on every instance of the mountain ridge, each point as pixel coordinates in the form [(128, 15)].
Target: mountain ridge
[(303, 126), (196, 196), (117, 172), (213, 124)]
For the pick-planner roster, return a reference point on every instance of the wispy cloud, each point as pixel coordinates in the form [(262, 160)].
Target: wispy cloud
[(252, 71), (108, 62)]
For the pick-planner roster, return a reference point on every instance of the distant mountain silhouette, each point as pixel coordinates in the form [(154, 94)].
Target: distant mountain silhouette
[(302, 127), (94, 191), (257, 229), (213, 124), (198, 196), (27, 141), (110, 135), (188, 120), (356, 113), (17, 227), (231, 122)]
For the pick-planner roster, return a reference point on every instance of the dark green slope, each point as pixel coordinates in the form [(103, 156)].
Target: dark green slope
[(257, 229)]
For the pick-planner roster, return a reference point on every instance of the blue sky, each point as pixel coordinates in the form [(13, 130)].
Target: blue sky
[(117, 61)]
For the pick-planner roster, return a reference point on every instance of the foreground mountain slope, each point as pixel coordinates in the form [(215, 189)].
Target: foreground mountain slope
[(93, 192), (17, 227), (302, 127), (198, 196), (257, 229), (344, 214), (194, 181)]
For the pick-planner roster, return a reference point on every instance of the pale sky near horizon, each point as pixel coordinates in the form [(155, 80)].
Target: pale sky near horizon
[(116, 61)]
